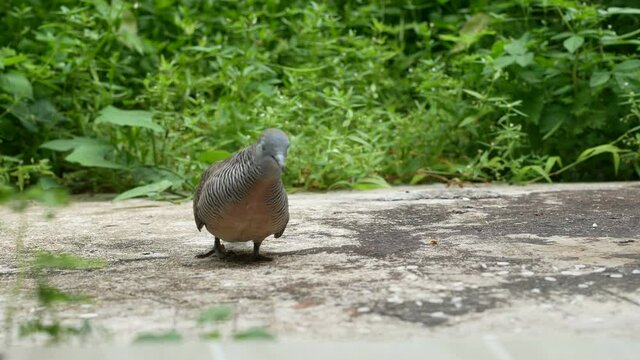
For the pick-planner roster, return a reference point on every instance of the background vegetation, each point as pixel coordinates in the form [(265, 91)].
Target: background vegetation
[(107, 96)]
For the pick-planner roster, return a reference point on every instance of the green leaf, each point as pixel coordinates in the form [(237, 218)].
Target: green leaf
[(93, 156), (169, 336), (524, 60), (606, 148), (532, 77), (468, 121), (6, 192), (551, 162), (216, 314), (535, 168), (45, 260), (211, 335), (596, 150), (253, 334), (212, 156), (504, 61), (47, 295), (626, 67), (16, 84), (573, 43), (69, 144), (139, 118), (129, 31), (517, 47), (417, 178), (145, 190), (342, 184), (368, 183), (599, 78), (151, 174), (50, 197), (359, 140), (86, 151), (9, 57), (475, 94), (622, 11)]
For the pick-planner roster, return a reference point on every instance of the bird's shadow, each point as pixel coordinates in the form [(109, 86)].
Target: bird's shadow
[(232, 257)]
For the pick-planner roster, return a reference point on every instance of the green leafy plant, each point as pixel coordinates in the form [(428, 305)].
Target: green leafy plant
[(253, 334), (45, 320), (124, 95), (209, 320), (151, 337)]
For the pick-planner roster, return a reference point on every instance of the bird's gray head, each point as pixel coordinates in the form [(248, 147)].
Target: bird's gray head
[(273, 146)]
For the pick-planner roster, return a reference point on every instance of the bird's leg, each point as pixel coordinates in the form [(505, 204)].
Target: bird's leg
[(256, 252), (218, 250)]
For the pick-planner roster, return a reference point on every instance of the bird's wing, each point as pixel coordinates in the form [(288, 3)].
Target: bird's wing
[(225, 177), (285, 210), (279, 233), (208, 174)]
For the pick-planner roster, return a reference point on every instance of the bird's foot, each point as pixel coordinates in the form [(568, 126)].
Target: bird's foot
[(218, 250), (206, 255)]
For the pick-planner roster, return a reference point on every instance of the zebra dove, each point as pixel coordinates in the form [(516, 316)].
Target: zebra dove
[(243, 198)]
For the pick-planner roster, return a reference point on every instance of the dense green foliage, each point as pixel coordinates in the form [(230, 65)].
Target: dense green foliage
[(103, 96)]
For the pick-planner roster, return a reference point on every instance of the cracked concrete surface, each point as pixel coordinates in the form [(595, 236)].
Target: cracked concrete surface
[(393, 264)]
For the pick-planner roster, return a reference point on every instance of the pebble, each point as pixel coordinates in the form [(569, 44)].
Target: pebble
[(395, 300), (484, 266), (363, 309), (572, 273), (88, 316), (502, 263), (535, 291), (595, 225), (412, 267), (527, 273), (616, 276), (487, 274), (550, 278), (394, 289), (583, 286), (411, 277), (636, 271), (503, 272), (598, 270), (438, 314), (418, 302), (579, 266), (435, 300)]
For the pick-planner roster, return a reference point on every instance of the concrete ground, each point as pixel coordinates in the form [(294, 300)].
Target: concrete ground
[(400, 264)]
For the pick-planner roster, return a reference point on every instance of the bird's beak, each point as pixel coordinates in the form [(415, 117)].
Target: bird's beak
[(280, 160)]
